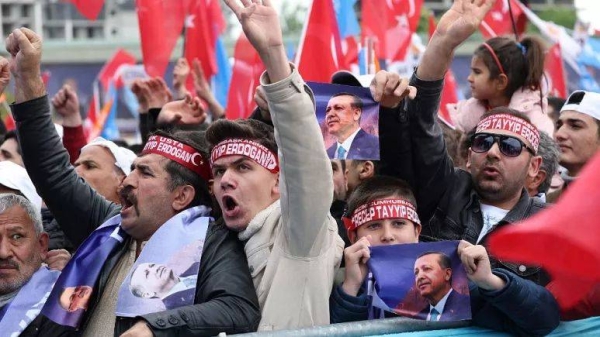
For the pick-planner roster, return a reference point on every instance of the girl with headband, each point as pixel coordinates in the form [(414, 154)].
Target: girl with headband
[(505, 73)]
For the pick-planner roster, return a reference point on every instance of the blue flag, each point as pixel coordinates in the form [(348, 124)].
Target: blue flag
[(110, 130), (586, 81), (222, 78), (346, 18), (590, 54)]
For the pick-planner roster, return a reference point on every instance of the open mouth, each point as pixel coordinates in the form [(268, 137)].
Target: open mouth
[(230, 205), (127, 199)]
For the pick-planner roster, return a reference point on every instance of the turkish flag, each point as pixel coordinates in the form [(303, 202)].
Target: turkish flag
[(203, 24), (320, 51), (109, 69), (449, 92), (90, 9), (245, 77), (161, 23), (554, 72), (497, 22), (563, 239)]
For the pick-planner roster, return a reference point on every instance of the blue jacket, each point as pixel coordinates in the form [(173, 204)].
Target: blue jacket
[(365, 146), (522, 308)]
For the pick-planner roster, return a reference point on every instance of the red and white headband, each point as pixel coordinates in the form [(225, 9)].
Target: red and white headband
[(381, 209), (513, 124), (247, 148), (180, 153)]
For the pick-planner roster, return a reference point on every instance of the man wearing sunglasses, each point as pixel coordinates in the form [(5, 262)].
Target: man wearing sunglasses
[(468, 205)]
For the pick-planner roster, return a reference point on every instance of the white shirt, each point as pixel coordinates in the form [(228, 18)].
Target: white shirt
[(347, 143), (439, 307), (491, 216)]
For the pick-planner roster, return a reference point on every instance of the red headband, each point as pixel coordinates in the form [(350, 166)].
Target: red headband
[(381, 210), (180, 153), (495, 57), (511, 123), (247, 148)]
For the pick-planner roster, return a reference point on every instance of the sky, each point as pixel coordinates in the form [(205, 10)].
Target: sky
[(587, 11)]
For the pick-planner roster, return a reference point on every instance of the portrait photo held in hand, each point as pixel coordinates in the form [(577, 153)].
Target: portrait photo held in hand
[(425, 281), (349, 121)]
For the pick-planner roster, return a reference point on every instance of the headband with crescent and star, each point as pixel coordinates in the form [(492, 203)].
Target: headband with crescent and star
[(248, 148), (179, 153)]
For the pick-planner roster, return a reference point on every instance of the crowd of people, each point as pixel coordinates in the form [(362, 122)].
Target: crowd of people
[(281, 237)]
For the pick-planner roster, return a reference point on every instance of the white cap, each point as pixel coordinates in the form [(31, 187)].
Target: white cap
[(123, 157), (585, 102), (345, 77), (15, 177)]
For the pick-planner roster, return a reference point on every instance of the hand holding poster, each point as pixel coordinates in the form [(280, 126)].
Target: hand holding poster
[(424, 281), (349, 120)]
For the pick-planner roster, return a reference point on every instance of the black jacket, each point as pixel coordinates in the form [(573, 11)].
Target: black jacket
[(225, 297), (447, 203)]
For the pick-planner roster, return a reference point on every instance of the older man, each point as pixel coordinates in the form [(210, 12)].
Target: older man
[(162, 188), (24, 282)]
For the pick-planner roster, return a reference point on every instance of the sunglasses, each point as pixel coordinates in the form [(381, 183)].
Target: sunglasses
[(509, 146)]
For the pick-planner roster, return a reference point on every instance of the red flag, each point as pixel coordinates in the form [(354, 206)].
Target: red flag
[(350, 50), (449, 92), (90, 9), (245, 77), (320, 51), (9, 122), (389, 22), (563, 239), (497, 22), (161, 23), (555, 72), (109, 69), (91, 119), (203, 25)]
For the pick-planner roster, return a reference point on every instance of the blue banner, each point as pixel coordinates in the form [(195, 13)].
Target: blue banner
[(70, 297), (28, 303)]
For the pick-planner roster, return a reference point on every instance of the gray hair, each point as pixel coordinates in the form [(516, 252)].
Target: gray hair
[(549, 152), (9, 200)]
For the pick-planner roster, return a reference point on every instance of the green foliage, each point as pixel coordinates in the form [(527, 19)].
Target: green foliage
[(559, 15)]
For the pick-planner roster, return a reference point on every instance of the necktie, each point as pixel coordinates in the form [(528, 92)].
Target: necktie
[(433, 315), (341, 153)]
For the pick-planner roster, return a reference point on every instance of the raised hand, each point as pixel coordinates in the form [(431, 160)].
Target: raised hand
[(200, 84), (158, 94), (476, 261), (66, 104), (463, 19), (187, 111), (25, 48), (389, 89), (57, 259), (261, 25), (180, 75), (140, 89), (4, 74), (356, 257)]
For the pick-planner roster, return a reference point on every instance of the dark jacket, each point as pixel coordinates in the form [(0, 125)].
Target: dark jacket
[(455, 308), (225, 297), (364, 146), (522, 308), (447, 203)]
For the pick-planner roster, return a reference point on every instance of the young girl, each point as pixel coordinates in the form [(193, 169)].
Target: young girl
[(505, 73)]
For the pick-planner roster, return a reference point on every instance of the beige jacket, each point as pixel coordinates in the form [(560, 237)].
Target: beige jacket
[(293, 246)]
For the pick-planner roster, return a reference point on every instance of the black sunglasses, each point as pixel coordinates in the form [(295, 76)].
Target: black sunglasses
[(509, 146)]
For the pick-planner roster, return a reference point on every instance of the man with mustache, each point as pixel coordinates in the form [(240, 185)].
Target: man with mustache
[(166, 182), (342, 116)]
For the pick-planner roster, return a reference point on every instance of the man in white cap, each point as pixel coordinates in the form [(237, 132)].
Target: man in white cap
[(14, 179), (104, 165), (577, 135)]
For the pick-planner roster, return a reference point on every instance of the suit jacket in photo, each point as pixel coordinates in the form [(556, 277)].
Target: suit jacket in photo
[(365, 146), (184, 297), (457, 308)]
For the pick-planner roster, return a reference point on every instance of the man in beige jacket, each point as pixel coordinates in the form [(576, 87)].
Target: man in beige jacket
[(279, 201)]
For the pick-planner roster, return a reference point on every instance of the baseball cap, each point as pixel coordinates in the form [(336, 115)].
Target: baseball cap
[(345, 77), (123, 157), (585, 102), (15, 177)]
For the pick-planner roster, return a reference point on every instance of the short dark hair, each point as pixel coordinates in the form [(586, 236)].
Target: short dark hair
[(443, 259), (180, 175), (12, 134), (251, 129), (379, 187), (357, 102), (556, 103)]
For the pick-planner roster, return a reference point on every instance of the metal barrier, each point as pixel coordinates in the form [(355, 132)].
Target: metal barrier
[(364, 328)]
